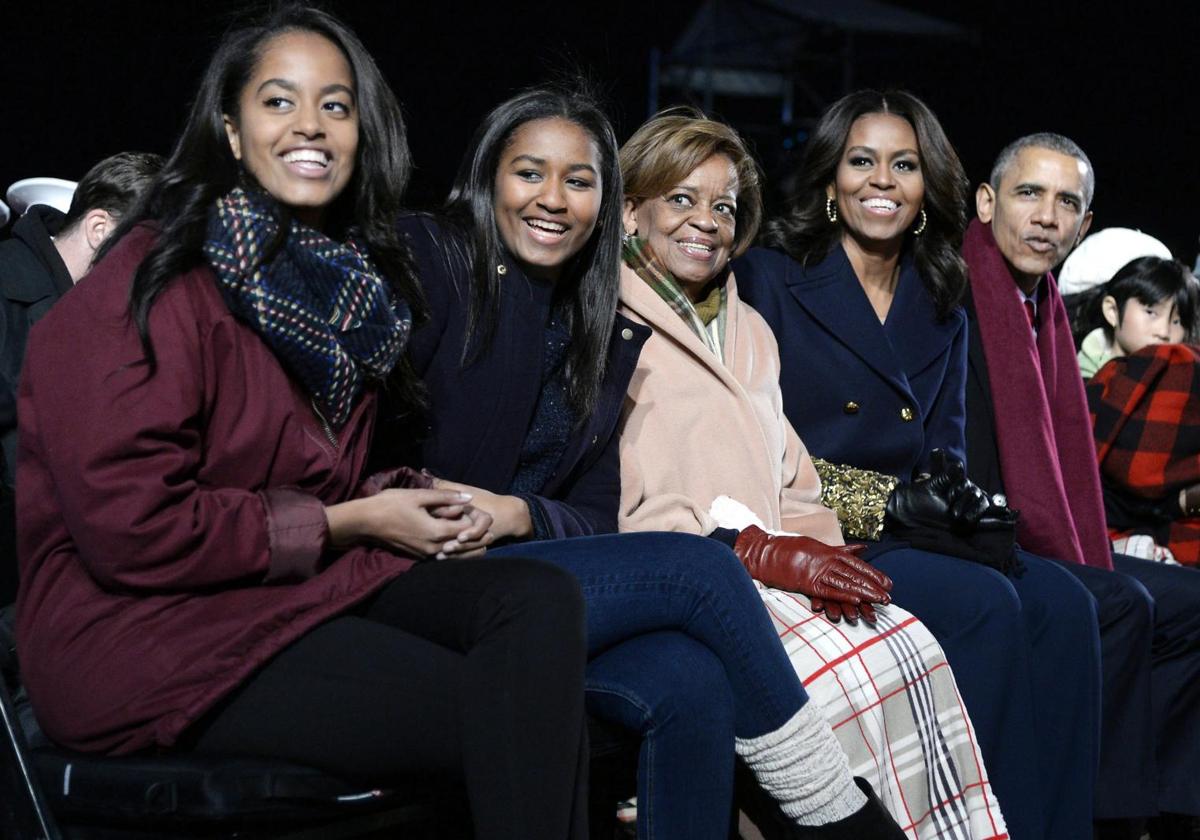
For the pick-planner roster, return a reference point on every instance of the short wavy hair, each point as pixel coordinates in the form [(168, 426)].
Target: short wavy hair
[(672, 143)]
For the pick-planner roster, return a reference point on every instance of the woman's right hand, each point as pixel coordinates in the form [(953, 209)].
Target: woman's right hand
[(427, 523), (802, 564)]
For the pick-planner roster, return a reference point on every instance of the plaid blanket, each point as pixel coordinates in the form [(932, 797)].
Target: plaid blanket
[(1146, 421), (893, 704)]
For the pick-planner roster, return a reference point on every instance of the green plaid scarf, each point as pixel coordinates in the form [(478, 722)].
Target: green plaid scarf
[(707, 319)]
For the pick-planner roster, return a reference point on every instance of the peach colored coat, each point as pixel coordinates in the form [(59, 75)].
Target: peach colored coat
[(694, 428)]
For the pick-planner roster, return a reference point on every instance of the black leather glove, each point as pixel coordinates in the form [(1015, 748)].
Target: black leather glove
[(944, 498), (947, 513)]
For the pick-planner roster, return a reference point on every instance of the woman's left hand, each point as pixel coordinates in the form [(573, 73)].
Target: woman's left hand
[(510, 514)]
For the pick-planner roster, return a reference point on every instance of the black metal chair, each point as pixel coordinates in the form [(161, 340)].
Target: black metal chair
[(60, 795)]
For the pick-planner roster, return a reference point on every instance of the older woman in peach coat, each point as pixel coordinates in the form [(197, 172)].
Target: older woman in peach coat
[(706, 449)]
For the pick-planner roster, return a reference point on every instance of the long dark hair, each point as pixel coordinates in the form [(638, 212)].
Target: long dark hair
[(202, 167), (805, 232), (587, 289)]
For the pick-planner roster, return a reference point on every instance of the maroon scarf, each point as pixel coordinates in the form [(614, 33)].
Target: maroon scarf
[(1043, 432)]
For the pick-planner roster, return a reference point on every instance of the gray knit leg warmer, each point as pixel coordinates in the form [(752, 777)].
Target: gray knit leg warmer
[(802, 766)]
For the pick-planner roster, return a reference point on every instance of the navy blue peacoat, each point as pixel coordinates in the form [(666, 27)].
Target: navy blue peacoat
[(871, 395)]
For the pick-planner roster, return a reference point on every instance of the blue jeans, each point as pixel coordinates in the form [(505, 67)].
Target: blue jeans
[(1026, 656), (683, 652)]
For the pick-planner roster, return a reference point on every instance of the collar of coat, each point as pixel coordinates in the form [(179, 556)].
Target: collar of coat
[(831, 293), (35, 230)]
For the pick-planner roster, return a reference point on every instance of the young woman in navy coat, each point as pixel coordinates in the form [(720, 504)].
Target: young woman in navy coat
[(861, 287), (526, 365)]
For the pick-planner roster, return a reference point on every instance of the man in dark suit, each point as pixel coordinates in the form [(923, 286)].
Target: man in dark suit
[(48, 253), (1028, 438)]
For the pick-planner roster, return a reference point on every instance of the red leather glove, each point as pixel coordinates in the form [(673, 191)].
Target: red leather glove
[(836, 610), (802, 564)]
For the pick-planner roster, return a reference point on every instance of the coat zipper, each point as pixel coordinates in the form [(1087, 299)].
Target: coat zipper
[(325, 425)]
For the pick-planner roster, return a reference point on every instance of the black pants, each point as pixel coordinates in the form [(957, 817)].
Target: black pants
[(1150, 649), (465, 668)]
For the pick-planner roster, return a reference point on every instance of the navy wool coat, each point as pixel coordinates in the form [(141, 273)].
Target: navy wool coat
[(479, 414), (876, 396)]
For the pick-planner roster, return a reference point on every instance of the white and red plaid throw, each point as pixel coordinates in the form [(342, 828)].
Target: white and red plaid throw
[(894, 706)]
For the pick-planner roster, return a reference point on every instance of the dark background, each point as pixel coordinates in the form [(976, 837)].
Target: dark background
[(86, 80)]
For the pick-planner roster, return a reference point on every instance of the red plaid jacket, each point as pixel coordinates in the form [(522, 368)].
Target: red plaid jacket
[(1146, 420)]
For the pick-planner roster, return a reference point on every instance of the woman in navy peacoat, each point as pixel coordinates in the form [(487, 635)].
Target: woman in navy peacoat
[(861, 289)]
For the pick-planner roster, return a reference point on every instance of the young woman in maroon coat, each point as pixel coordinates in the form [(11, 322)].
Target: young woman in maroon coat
[(204, 566)]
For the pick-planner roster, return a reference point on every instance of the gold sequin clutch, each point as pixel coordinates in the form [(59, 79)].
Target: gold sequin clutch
[(858, 497)]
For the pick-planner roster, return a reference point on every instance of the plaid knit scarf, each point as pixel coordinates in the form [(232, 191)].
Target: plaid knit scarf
[(320, 305), (706, 319)]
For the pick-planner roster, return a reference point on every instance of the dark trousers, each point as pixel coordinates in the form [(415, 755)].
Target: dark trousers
[(468, 669), (1026, 656), (1150, 635)]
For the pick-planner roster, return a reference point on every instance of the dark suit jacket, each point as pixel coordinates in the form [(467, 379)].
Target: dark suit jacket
[(479, 414), (32, 278), (876, 396), (982, 454)]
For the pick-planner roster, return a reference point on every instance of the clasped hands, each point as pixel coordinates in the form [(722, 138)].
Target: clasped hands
[(419, 515), (836, 580)]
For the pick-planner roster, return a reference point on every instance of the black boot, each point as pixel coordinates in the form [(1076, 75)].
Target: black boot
[(870, 822), (1118, 829), (1174, 827)]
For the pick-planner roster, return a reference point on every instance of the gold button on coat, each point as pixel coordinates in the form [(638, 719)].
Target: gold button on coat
[(906, 414), (850, 407), (627, 333)]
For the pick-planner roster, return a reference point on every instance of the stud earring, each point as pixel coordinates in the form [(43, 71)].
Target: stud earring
[(921, 227), (831, 210)]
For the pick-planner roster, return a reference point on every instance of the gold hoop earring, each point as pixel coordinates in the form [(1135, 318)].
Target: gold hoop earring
[(831, 210), (921, 227)]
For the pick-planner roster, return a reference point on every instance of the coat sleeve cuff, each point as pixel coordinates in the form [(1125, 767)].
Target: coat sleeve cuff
[(726, 535), (539, 517), (297, 529)]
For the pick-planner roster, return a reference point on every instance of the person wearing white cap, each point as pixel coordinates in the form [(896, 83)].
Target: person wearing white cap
[(30, 192), (1102, 254), (48, 253)]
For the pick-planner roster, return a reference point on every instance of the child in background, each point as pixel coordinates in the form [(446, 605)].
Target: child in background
[(1149, 301), (1145, 408)]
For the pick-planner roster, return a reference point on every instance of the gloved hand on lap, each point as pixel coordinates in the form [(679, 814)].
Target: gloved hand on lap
[(945, 498), (808, 566)]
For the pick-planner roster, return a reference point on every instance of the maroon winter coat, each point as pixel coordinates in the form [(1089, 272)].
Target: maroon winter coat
[(171, 526)]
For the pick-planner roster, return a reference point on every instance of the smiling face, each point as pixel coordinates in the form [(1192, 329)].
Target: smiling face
[(691, 227), (878, 185), (1037, 213), (547, 194), (296, 130)]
